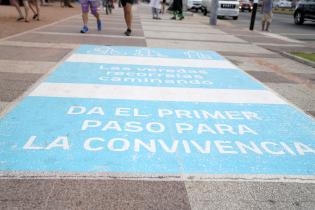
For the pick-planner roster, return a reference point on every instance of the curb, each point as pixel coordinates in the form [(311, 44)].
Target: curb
[(296, 58)]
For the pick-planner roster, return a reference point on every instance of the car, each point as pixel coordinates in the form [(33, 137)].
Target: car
[(194, 5), (245, 5), (304, 10), (226, 8), (282, 4)]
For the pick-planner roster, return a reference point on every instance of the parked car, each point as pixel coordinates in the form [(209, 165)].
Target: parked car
[(226, 8), (282, 4), (245, 5), (194, 5), (305, 10)]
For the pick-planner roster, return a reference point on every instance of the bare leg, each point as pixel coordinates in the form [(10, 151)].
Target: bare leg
[(37, 9), (128, 15), (26, 7), (17, 6), (85, 18), (263, 25)]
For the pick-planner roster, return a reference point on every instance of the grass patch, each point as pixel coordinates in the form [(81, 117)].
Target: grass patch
[(307, 56)]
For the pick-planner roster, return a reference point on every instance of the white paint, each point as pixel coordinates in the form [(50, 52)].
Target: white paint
[(156, 93), (151, 61), (88, 142)]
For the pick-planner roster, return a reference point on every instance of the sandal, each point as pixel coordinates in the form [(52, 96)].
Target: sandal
[(35, 16)]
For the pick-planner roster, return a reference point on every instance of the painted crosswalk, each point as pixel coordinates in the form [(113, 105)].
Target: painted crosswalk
[(155, 111)]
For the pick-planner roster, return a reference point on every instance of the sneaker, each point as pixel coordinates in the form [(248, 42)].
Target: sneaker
[(99, 25), (84, 29), (128, 32), (173, 18), (181, 17)]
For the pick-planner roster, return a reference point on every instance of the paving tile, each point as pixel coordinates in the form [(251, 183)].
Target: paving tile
[(269, 77), (24, 194), (126, 41), (32, 67), (118, 194), (196, 45), (32, 53), (310, 77), (107, 30), (296, 94), (3, 105), (192, 36), (250, 195), (312, 113), (8, 76)]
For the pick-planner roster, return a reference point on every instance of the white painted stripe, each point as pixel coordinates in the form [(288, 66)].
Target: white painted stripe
[(156, 93), (283, 38), (151, 61)]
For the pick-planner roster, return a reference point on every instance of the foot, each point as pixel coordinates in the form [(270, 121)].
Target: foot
[(268, 30), (182, 17), (173, 18), (128, 32), (84, 30), (99, 25), (35, 16), (20, 18)]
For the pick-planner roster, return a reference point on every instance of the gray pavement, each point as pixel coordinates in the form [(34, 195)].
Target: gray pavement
[(31, 56)]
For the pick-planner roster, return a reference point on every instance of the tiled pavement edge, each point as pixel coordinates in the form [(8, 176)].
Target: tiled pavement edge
[(41, 50)]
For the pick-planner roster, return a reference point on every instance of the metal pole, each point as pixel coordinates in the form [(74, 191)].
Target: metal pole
[(252, 20), (214, 12)]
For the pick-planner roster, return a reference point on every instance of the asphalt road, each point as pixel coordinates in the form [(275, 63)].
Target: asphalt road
[(282, 25)]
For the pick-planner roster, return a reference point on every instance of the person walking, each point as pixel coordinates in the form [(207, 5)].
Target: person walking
[(17, 6), (28, 4), (94, 5), (156, 6), (177, 8), (127, 6), (267, 15)]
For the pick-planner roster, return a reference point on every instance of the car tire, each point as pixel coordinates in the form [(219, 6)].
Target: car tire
[(298, 18), (235, 17)]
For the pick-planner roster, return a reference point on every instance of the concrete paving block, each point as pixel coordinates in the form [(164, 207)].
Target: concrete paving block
[(217, 191), (282, 192), (296, 93), (32, 53), (197, 45), (270, 77), (24, 194), (81, 39), (26, 67), (118, 194), (193, 36), (11, 76), (107, 30), (249, 63), (290, 65), (181, 29), (3, 105)]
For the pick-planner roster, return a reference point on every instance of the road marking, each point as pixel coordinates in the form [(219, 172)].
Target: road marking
[(156, 93), (86, 126)]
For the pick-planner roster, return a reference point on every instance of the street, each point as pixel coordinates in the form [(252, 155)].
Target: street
[(282, 25)]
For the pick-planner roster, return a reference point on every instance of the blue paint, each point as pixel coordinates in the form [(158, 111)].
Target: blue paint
[(279, 123), (153, 76), (46, 119), (148, 52)]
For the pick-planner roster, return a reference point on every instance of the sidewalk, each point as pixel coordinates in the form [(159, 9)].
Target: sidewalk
[(32, 56)]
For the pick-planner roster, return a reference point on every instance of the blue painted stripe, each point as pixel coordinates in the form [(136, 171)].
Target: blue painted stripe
[(148, 52), (156, 76), (285, 128)]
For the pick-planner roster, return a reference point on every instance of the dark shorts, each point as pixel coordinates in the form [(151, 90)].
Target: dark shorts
[(124, 2)]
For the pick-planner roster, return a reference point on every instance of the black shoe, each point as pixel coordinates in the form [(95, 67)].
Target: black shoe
[(182, 17), (173, 18), (128, 32)]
